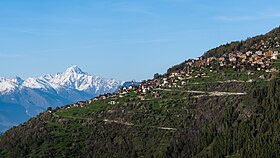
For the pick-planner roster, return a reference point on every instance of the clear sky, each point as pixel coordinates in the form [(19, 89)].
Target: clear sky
[(122, 39)]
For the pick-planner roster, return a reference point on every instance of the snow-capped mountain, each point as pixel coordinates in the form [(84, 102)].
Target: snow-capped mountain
[(36, 94)]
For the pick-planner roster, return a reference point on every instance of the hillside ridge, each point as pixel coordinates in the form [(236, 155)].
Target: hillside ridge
[(224, 106)]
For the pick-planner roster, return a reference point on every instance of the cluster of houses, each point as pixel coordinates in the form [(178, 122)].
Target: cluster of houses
[(141, 90), (258, 60)]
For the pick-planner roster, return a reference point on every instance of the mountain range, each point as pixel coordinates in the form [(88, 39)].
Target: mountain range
[(223, 104), (21, 99)]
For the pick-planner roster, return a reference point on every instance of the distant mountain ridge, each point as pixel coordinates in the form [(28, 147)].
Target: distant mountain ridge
[(225, 107), (36, 94)]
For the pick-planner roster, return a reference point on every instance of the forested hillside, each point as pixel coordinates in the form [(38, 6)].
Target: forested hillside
[(270, 40), (226, 106), (181, 125)]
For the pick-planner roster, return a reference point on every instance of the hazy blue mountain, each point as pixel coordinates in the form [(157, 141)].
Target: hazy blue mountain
[(11, 114), (21, 99)]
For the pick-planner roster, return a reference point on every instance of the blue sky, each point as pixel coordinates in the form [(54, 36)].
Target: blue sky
[(122, 39)]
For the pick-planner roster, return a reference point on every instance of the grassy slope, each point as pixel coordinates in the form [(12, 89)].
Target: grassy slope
[(150, 134), (179, 124)]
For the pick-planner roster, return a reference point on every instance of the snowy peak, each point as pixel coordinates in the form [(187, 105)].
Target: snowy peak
[(46, 77), (73, 79), (9, 85), (2, 79), (36, 94), (35, 83), (74, 70), (17, 80)]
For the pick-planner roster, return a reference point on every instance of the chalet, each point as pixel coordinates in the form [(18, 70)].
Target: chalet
[(142, 97), (255, 57), (268, 53), (173, 74), (251, 59), (94, 99), (242, 56), (274, 57), (250, 81), (232, 59), (124, 92), (260, 62), (222, 59), (130, 87), (210, 59), (262, 77), (165, 82), (89, 101), (198, 63), (249, 53), (190, 63), (157, 95), (112, 102), (180, 78), (259, 53), (239, 54), (182, 72)]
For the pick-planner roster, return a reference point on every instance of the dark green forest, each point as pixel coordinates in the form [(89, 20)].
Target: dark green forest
[(228, 126), (227, 113), (268, 41)]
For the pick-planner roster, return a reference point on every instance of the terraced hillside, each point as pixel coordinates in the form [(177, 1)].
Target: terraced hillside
[(199, 120), (203, 108)]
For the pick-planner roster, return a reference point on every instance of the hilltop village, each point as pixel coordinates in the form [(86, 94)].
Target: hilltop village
[(247, 62), (222, 104)]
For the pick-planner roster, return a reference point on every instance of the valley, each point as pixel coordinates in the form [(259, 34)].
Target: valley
[(213, 106), (34, 95)]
